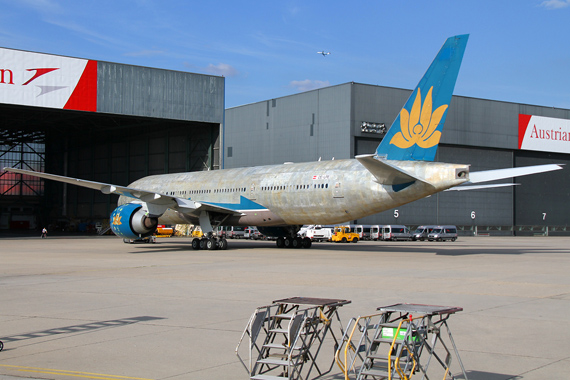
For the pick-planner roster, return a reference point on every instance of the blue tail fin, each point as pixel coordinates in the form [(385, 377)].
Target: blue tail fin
[(415, 133)]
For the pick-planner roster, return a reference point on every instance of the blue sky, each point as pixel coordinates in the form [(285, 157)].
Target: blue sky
[(518, 51)]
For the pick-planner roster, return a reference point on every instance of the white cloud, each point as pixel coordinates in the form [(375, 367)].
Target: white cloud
[(555, 4), (222, 69), (309, 84)]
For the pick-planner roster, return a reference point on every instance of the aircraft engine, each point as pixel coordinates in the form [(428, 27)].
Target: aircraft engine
[(130, 221)]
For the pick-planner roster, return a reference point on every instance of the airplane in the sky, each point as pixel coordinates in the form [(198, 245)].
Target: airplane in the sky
[(324, 53), (279, 199)]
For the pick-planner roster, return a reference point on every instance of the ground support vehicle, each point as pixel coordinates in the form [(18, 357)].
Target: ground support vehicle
[(317, 233), (421, 233), (363, 231), (147, 239), (343, 234), (395, 232), (235, 232), (252, 233), (376, 232), (442, 233), (163, 231)]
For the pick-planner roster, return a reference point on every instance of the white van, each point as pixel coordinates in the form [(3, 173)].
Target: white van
[(235, 232), (319, 233), (363, 231), (394, 232), (376, 232), (421, 233), (252, 233), (442, 233)]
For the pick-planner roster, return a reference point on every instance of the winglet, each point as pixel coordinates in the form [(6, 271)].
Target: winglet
[(416, 132)]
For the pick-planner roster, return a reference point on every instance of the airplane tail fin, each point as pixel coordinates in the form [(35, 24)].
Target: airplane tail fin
[(416, 132)]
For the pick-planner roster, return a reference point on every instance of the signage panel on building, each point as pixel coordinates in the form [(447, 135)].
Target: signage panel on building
[(544, 134), (43, 80)]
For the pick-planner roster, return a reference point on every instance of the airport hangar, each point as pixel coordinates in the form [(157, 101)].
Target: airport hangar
[(99, 121), (115, 123), (350, 119)]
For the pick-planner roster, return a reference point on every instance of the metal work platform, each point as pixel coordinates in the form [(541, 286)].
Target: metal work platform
[(286, 337), (398, 342)]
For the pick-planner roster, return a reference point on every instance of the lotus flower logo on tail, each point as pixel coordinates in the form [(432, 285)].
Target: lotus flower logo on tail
[(419, 126)]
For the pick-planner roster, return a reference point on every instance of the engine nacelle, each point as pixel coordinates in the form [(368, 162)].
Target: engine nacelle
[(130, 221)]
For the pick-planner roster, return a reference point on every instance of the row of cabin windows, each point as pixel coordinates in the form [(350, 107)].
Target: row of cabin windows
[(296, 187), (243, 189), (207, 191)]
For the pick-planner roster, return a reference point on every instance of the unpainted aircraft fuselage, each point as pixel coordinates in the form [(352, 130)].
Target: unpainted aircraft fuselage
[(324, 192)]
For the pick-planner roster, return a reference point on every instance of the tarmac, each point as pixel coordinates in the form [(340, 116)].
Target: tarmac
[(95, 308)]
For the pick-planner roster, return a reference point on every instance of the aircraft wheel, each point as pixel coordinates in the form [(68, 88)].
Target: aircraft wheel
[(1, 345), (203, 243), (280, 242), (288, 242), (297, 242), (195, 243), (222, 244), (307, 242), (210, 244)]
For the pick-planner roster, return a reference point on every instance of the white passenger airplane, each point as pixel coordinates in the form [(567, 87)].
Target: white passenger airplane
[(278, 199)]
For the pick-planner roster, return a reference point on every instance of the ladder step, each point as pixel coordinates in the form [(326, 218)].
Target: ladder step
[(385, 340), (268, 377), (379, 374), (284, 316), (393, 325), (274, 362), (282, 331), (403, 359), (277, 345)]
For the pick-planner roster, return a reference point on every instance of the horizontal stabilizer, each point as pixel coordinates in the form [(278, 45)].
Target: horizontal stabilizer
[(482, 187), (493, 175), (385, 172)]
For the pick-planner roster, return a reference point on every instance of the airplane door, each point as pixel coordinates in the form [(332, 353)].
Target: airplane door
[(337, 191), (252, 191)]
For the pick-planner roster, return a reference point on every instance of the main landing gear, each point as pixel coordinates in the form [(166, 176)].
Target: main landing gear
[(296, 242), (209, 243)]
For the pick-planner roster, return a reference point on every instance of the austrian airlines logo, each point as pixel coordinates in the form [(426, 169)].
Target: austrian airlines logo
[(43, 80), (419, 126), (39, 73)]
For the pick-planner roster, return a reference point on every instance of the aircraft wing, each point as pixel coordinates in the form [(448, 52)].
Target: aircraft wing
[(158, 203)]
